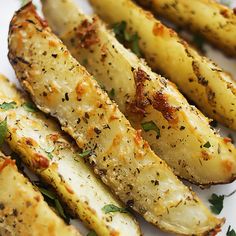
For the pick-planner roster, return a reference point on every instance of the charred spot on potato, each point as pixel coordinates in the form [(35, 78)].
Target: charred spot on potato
[(31, 9), (29, 141), (140, 101), (225, 13), (87, 33), (205, 156), (37, 198), (160, 103), (54, 137)]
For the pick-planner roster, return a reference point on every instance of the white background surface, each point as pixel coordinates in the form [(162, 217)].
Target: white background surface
[(7, 9)]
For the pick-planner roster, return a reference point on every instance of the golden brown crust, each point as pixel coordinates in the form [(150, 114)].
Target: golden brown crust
[(140, 102), (161, 104), (87, 35)]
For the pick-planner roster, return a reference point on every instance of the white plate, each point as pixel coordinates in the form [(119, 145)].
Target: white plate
[(229, 211)]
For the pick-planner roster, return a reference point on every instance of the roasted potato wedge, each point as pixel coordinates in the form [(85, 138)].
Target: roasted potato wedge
[(58, 161), (183, 131), (123, 160), (23, 211), (212, 90), (214, 21)]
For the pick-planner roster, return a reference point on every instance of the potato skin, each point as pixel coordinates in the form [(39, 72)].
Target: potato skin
[(197, 77), (122, 159), (53, 157), (183, 129), (216, 22), (23, 211)]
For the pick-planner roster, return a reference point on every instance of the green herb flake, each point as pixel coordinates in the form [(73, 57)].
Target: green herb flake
[(150, 125), (29, 106), (198, 41), (112, 208), (135, 45), (129, 40), (102, 86), (92, 233), (7, 105), (119, 30), (47, 193), (3, 131), (50, 155), (216, 203), (230, 232), (85, 153), (127, 36), (207, 145), (111, 93), (60, 209), (49, 152), (50, 195)]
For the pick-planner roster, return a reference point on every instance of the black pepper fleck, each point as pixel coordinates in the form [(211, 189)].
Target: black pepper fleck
[(66, 96)]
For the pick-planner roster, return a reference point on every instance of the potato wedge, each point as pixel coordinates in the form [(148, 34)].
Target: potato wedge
[(182, 133), (57, 160), (23, 211), (216, 22), (123, 160), (212, 90)]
